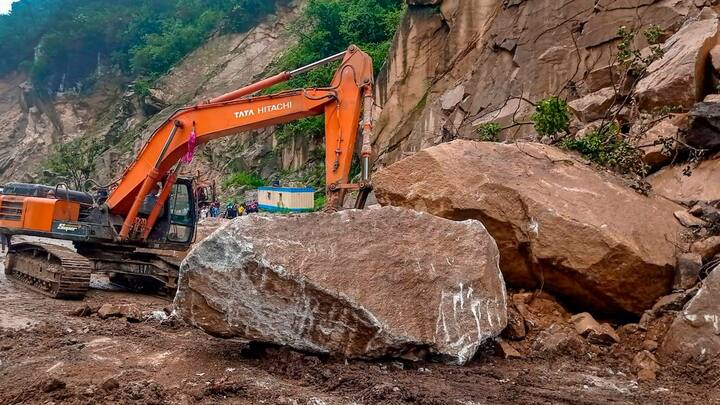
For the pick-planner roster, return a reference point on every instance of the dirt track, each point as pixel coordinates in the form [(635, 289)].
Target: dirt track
[(49, 356)]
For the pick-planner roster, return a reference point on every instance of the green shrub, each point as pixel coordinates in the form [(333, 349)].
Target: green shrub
[(319, 202), (551, 116), (607, 147), (489, 131), (243, 179)]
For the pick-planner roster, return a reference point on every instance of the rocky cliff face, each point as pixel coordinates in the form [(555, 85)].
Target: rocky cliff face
[(32, 124), (456, 64)]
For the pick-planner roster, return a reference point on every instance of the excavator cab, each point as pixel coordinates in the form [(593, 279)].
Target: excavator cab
[(175, 228)]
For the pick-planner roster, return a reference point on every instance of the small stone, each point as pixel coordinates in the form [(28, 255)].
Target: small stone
[(630, 328), (707, 248), (688, 220), (110, 384), (129, 311), (587, 327), (515, 329), (650, 345), (645, 319), (606, 336), (646, 365), (687, 271), (506, 350), (697, 210), (82, 310), (558, 339), (52, 384), (672, 302)]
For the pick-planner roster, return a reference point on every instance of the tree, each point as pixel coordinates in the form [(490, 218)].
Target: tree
[(73, 163)]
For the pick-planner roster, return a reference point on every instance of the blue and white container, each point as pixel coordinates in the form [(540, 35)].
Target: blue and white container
[(293, 199)]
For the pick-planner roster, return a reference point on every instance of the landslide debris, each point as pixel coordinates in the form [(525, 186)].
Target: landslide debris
[(580, 234), (358, 283)]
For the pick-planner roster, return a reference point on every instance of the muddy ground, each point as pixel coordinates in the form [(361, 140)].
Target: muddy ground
[(49, 356)]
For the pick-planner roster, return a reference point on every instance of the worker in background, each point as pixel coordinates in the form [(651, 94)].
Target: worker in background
[(5, 242), (204, 212), (215, 209), (231, 210), (241, 210)]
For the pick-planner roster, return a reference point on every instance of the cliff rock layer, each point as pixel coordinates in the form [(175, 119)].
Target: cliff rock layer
[(455, 64)]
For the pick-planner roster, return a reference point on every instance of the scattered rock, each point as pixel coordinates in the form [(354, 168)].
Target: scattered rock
[(688, 220), (276, 279), (677, 78), (706, 248), (630, 328), (651, 142), (589, 238), (515, 329), (672, 302), (110, 384), (645, 320), (52, 384), (83, 311), (650, 345), (646, 366), (595, 333), (584, 323), (687, 272), (129, 311), (594, 106), (506, 350), (694, 335), (703, 126), (558, 339)]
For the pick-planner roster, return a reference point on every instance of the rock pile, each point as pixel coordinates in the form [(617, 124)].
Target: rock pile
[(694, 335), (581, 234), (371, 283)]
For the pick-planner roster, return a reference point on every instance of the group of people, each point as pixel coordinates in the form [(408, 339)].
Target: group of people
[(232, 209)]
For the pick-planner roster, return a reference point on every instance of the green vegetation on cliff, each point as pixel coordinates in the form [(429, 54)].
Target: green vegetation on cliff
[(327, 27), (64, 41)]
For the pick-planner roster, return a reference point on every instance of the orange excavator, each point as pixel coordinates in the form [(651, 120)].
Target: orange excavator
[(119, 230)]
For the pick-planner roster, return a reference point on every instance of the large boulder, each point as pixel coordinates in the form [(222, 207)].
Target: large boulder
[(558, 223), (678, 78), (694, 335), (358, 283), (682, 185)]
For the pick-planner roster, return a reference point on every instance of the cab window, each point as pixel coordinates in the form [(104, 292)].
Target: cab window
[(181, 214)]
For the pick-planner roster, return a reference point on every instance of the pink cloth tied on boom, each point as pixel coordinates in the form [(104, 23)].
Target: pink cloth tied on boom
[(192, 141)]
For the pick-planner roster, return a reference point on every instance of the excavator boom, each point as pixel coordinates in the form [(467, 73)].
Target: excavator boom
[(348, 95)]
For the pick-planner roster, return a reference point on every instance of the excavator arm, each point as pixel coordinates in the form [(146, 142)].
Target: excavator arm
[(348, 96)]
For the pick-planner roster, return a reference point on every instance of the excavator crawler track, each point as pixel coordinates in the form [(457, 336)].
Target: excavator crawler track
[(55, 271)]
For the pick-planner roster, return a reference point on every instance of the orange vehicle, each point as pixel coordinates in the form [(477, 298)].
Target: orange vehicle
[(152, 207)]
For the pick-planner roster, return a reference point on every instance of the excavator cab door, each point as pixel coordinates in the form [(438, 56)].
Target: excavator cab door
[(175, 229), (182, 212)]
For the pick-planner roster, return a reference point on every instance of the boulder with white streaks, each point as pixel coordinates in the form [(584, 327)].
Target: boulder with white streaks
[(372, 283)]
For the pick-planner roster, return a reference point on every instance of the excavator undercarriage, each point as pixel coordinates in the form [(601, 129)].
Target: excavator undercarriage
[(61, 272), (53, 270)]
